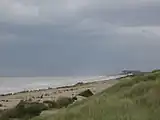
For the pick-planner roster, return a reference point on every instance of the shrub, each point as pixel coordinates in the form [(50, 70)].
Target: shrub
[(64, 101), (74, 98), (51, 104), (156, 70), (1, 105), (86, 93), (24, 110), (78, 84), (33, 108)]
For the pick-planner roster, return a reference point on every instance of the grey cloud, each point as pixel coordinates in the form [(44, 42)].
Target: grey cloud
[(143, 14), (68, 55), (123, 12), (82, 38)]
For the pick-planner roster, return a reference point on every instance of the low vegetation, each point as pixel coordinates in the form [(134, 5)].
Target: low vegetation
[(26, 110), (135, 98), (23, 110), (64, 102), (86, 93), (1, 105), (60, 102), (51, 103)]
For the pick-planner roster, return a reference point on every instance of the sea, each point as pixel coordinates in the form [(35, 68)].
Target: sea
[(17, 84)]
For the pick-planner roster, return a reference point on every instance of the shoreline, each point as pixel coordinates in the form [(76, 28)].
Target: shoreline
[(11, 100), (89, 80)]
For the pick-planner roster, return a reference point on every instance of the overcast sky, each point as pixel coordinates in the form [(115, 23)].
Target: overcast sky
[(78, 37)]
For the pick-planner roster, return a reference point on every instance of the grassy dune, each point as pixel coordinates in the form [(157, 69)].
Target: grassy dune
[(135, 98)]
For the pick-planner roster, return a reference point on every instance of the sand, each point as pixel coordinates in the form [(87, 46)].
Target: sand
[(11, 101)]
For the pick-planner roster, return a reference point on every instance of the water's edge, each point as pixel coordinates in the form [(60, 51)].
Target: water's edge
[(17, 84)]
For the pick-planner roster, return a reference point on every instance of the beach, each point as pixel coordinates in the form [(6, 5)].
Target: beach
[(53, 92)]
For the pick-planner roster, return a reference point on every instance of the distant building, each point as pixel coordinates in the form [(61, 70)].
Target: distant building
[(133, 72)]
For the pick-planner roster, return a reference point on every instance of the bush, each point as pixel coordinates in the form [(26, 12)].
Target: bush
[(156, 70), (78, 84), (74, 98), (1, 105), (86, 93), (32, 109), (64, 101), (24, 110), (51, 104)]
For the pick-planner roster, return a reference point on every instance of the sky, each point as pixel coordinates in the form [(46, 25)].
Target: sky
[(78, 37)]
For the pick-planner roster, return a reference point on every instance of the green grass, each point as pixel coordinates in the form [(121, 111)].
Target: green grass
[(137, 98)]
